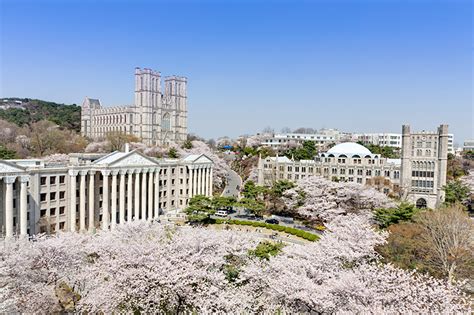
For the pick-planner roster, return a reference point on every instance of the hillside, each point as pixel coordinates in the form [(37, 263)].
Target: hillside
[(24, 111)]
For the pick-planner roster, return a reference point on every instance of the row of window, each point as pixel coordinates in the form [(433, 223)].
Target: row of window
[(52, 179), (52, 211), (52, 196), (422, 174), (422, 183)]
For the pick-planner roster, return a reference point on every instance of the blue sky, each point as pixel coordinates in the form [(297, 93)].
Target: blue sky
[(361, 66)]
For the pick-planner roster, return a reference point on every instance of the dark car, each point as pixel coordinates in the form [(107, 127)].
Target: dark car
[(272, 221)]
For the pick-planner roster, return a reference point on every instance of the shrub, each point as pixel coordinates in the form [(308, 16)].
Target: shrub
[(275, 227)]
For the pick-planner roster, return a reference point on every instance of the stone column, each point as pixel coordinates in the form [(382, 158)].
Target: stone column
[(143, 193), (72, 200), (82, 201), (91, 200), (206, 181), (105, 199), (210, 181), (130, 196), (156, 209), (150, 195), (136, 209), (198, 188), (190, 184), (113, 200), (9, 180), (23, 206), (122, 197), (199, 184)]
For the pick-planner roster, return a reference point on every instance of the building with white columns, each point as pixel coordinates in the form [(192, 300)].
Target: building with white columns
[(92, 191)]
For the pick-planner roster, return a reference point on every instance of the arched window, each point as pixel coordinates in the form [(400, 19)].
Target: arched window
[(421, 203), (166, 122)]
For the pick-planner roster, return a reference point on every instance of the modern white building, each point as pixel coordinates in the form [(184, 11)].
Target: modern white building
[(93, 191), (468, 145), (418, 176), (156, 118), (393, 140), (324, 137)]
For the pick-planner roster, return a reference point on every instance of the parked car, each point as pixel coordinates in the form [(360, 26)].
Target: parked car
[(221, 213), (272, 221)]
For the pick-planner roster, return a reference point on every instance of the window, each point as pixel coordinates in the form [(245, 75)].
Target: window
[(52, 211), (166, 122), (52, 180), (43, 180), (368, 173), (43, 197), (62, 194), (359, 180), (62, 179), (52, 196), (351, 171), (42, 212)]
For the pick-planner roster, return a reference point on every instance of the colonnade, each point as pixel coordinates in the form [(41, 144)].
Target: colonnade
[(140, 186), (9, 181), (200, 180)]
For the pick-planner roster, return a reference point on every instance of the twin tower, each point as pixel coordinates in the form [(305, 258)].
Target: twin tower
[(157, 117)]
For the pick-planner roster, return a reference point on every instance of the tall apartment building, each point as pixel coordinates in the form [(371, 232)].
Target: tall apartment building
[(93, 191), (157, 118)]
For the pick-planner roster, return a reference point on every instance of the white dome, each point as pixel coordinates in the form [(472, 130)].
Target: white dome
[(349, 148)]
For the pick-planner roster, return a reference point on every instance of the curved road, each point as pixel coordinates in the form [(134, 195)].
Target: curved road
[(233, 180)]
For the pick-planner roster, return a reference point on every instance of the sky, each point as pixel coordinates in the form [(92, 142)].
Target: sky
[(358, 66)]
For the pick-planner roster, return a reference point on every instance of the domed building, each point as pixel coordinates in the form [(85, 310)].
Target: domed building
[(348, 161), (348, 149), (419, 176)]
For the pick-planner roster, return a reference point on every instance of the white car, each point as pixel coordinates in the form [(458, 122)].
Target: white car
[(221, 213)]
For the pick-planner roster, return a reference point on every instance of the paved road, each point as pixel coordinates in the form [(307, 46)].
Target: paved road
[(233, 180)]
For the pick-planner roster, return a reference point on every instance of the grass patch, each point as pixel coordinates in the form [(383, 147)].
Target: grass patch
[(275, 227)]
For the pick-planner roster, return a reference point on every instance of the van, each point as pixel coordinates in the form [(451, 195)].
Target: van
[(221, 213)]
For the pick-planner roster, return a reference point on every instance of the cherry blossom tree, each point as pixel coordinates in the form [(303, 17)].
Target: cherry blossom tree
[(221, 168), (153, 268), (317, 198)]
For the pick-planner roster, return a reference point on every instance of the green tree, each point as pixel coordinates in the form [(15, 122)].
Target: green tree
[(252, 191), (456, 191), (469, 155), (280, 186), (265, 249), (255, 206), (384, 151), (388, 216), (188, 144), (199, 209), (6, 154), (306, 152), (222, 202), (173, 153)]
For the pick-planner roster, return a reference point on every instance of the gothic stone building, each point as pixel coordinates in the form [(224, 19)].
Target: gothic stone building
[(157, 117), (419, 176), (91, 191)]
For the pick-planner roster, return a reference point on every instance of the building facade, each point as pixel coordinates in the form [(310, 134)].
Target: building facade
[(157, 117), (419, 176), (93, 191)]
